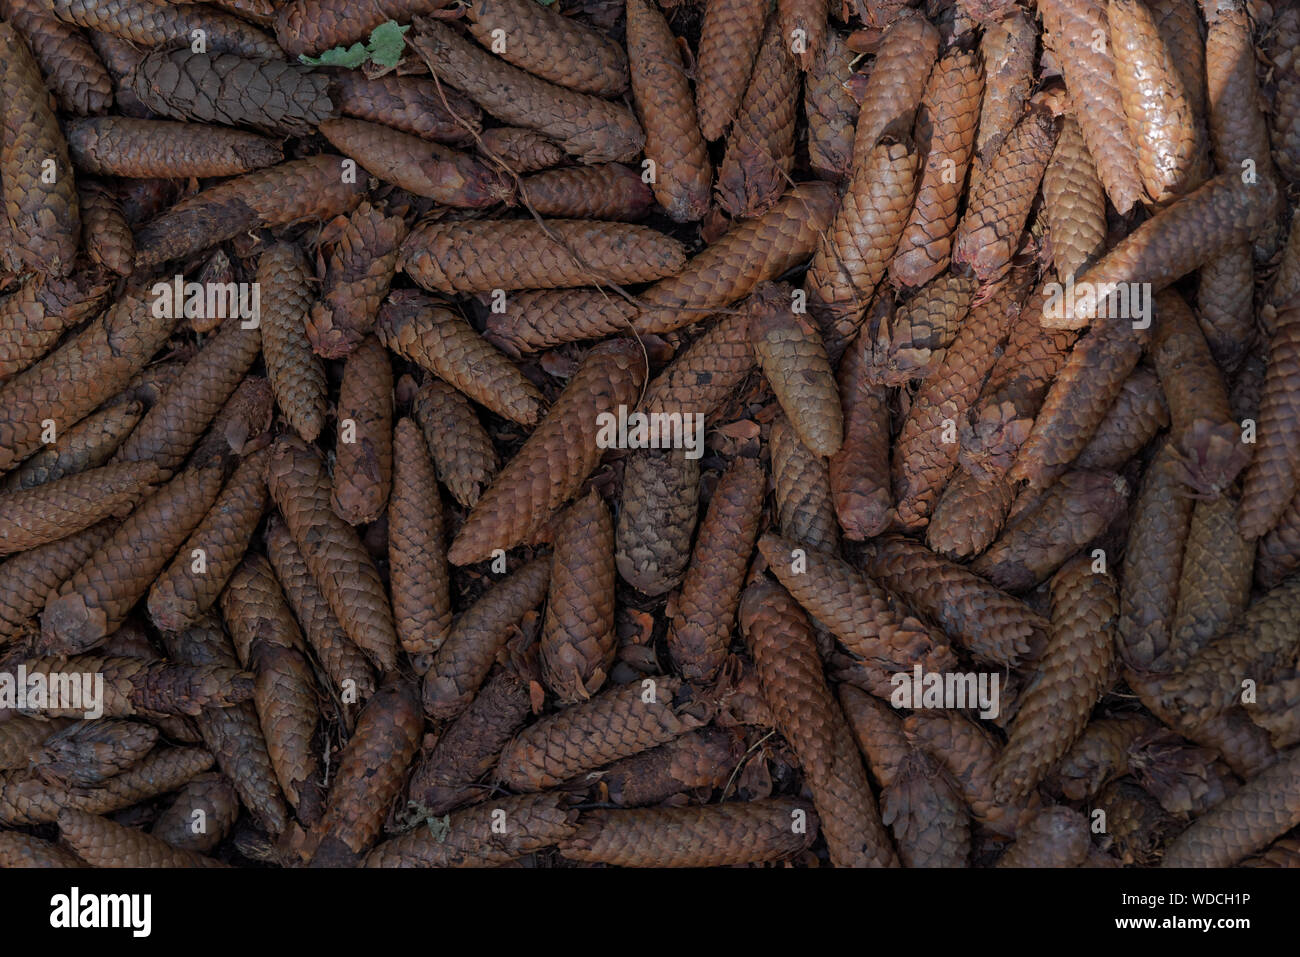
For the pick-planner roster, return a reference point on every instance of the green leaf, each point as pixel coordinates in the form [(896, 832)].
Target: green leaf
[(351, 57), (387, 42), (439, 827)]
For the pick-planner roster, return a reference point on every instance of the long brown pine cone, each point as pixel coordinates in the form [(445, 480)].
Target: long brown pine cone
[(363, 454), (344, 571), (793, 358), (273, 96), (1075, 670), (466, 656), (712, 836), (96, 600), (448, 776), (760, 147), (417, 549), (656, 518), (779, 638), (42, 208), (578, 642), (673, 141), (371, 772), (700, 628), (559, 455), (620, 721)]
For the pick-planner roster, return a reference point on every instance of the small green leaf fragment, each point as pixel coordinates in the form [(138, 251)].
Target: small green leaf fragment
[(350, 57), (387, 42), (439, 827)]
